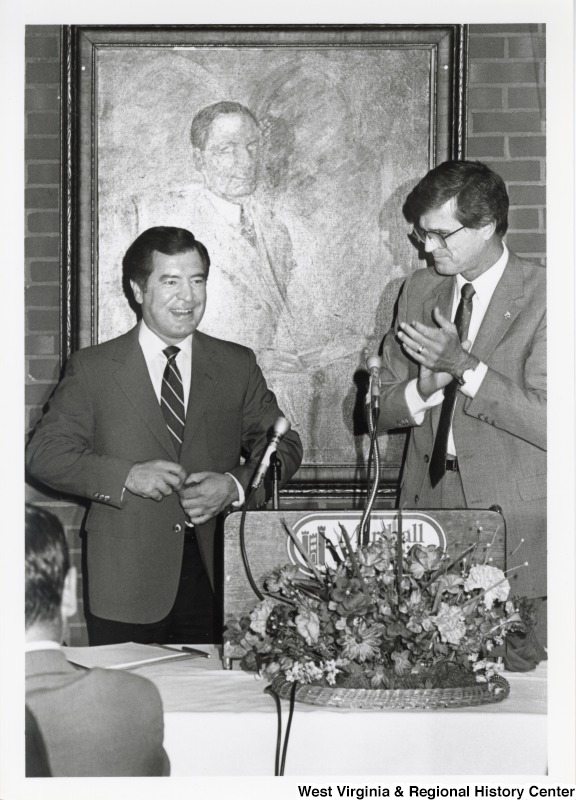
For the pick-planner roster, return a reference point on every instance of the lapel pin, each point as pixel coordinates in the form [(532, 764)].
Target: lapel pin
[(507, 315)]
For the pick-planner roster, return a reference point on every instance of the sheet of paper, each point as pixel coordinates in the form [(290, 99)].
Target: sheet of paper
[(122, 656)]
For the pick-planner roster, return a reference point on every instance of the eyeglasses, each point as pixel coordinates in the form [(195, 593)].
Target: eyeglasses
[(438, 239)]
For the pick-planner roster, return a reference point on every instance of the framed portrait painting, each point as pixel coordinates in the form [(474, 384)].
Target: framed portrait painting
[(288, 151)]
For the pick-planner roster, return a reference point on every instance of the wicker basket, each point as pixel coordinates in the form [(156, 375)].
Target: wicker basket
[(494, 691)]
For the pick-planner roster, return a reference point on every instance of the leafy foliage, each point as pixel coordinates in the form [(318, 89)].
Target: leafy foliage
[(373, 622)]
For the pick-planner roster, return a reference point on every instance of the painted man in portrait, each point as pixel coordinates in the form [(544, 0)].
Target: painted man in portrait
[(250, 248)]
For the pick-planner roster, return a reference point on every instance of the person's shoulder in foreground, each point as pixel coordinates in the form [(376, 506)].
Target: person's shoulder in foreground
[(92, 722)]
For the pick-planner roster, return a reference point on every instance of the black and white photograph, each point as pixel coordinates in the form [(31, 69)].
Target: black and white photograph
[(285, 507)]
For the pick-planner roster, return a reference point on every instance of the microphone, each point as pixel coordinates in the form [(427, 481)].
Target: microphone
[(373, 364), (281, 428)]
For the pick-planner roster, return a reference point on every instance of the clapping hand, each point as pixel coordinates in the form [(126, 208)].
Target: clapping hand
[(439, 351)]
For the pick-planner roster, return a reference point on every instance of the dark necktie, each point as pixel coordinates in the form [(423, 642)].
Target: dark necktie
[(438, 460), (172, 397)]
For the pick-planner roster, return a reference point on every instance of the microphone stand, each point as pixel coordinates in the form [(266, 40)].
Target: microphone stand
[(276, 468), (373, 457)]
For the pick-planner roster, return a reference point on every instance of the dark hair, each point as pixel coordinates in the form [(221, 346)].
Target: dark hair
[(480, 194), (137, 263), (47, 564), (200, 126)]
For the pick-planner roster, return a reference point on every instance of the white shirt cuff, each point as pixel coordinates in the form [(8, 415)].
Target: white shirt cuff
[(241, 496), (474, 381), (416, 405)]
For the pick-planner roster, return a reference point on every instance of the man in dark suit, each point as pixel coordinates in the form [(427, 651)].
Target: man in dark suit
[(94, 722), (490, 447), (161, 440)]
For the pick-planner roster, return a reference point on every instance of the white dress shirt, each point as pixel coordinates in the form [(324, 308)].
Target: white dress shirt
[(484, 286), (152, 348), (228, 210)]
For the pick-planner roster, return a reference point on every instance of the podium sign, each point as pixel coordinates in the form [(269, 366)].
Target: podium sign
[(269, 546)]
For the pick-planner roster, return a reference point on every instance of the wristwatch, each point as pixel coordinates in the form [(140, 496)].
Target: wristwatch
[(462, 374)]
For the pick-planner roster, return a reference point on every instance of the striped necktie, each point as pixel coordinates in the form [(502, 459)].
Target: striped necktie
[(172, 397), (438, 459)]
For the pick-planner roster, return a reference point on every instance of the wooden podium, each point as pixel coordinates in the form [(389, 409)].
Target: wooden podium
[(268, 545)]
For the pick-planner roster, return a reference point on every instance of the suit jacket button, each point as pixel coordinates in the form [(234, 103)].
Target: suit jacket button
[(96, 494), (416, 498), (107, 497), (177, 528), (426, 459)]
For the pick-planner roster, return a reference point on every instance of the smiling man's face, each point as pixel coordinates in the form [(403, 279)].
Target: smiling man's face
[(174, 299)]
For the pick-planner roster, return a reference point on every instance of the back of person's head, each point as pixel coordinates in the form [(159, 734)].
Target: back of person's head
[(47, 566), (200, 127), (137, 263), (480, 195)]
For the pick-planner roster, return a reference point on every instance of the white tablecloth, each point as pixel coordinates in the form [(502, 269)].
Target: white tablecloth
[(221, 723)]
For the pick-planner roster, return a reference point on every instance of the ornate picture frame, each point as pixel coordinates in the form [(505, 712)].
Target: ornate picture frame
[(350, 117)]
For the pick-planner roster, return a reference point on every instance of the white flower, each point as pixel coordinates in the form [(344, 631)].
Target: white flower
[(450, 623), (491, 580), (331, 670), (295, 672), (303, 673), (308, 626), (312, 671), (487, 669), (259, 617)]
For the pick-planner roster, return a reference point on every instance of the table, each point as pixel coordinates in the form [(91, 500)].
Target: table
[(220, 723)]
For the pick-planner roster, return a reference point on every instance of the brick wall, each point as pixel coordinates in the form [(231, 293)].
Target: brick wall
[(42, 262), (506, 119), (505, 128)]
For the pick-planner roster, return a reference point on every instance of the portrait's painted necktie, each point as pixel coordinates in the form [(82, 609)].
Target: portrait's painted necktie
[(247, 227), (172, 397), (438, 459)]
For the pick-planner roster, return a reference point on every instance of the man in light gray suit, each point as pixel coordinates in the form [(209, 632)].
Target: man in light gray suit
[(94, 723), (464, 366)]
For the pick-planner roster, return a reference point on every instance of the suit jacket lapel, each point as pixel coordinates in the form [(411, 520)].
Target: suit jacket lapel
[(504, 307), (442, 297), (134, 379), (204, 380)]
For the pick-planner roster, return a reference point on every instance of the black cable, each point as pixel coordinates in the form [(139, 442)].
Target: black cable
[(269, 690), (279, 767), (255, 589), (288, 726)]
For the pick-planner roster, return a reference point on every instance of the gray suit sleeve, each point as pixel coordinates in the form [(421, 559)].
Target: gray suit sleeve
[(260, 412), (395, 375), (61, 452), (518, 408)]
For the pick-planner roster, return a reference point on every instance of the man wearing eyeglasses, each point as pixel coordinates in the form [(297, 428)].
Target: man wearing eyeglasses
[(464, 366)]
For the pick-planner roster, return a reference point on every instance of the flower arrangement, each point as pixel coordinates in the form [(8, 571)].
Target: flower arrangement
[(381, 618)]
